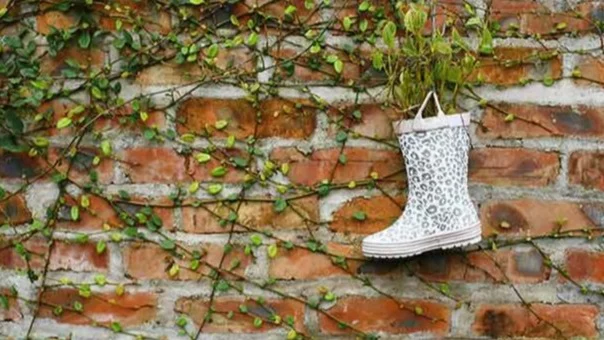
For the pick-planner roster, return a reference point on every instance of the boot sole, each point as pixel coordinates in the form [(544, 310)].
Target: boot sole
[(455, 239)]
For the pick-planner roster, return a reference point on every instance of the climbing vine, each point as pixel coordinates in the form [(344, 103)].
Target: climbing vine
[(73, 72)]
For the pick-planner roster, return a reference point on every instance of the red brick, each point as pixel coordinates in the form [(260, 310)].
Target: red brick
[(87, 58), (502, 321), (196, 309), (165, 165), (19, 165), (517, 266), (64, 256), (510, 66), (13, 313), (149, 261), (526, 217), (380, 213), (304, 72), (255, 215), (82, 165), (233, 61), (129, 309), (530, 17), (302, 264), (101, 212), (279, 117), (276, 9), (591, 68), (155, 19), (582, 265), (376, 121), (388, 316), (513, 167), (318, 166), (14, 211), (542, 121), (587, 169), (53, 18), (126, 120)]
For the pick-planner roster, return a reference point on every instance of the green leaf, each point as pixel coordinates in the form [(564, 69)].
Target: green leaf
[(252, 39), (97, 93), (77, 305), (338, 66), (486, 42), (364, 6), (196, 2), (84, 40), (4, 302), (272, 251), (257, 322), (214, 188), (106, 147), (63, 122), (240, 162), (222, 286), (341, 136), (256, 240), (415, 19), (359, 215), (221, 124), (75, 213), (167, 244), (202, 157), (219, 171), (116, 327), (100, 247), (389, 34), (347, 23), (212, 51), (3, 11), (280, 204)]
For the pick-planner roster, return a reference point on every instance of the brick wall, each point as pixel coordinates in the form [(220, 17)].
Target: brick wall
[(536, 174)]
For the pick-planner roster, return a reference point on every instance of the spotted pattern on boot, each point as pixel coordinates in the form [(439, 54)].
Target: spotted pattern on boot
[(437, 169)]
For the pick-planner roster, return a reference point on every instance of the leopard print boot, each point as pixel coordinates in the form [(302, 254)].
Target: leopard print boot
[(439, 213)]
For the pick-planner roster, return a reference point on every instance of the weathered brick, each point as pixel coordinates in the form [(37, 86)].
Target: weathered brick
[(86, 58), (526, 217), (150, 261), (388, 316), (590, 68), (14, 211), (380, 212), (513, 167), (360, 163), (530, 17), (165, 165), (376, 120), (582, 265), (129, 309), (228, 62), (511, 66), (302, 67), (155, 19), (196, 309), (19, 165), (253, 214), (517, 266), (276, 10), (13, 312), (279, 117), (502, 321), (586, 168), (64, 256), (81, 163), (302, 264), (542, 121), (50, 17)]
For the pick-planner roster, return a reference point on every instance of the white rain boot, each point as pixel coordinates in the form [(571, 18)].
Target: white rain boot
[(439, 213)]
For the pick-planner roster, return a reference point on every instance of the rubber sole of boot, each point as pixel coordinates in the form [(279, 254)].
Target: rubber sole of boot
[(460, 238)]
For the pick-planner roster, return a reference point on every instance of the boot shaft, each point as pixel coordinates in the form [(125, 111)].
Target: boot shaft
[(436, 161)]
